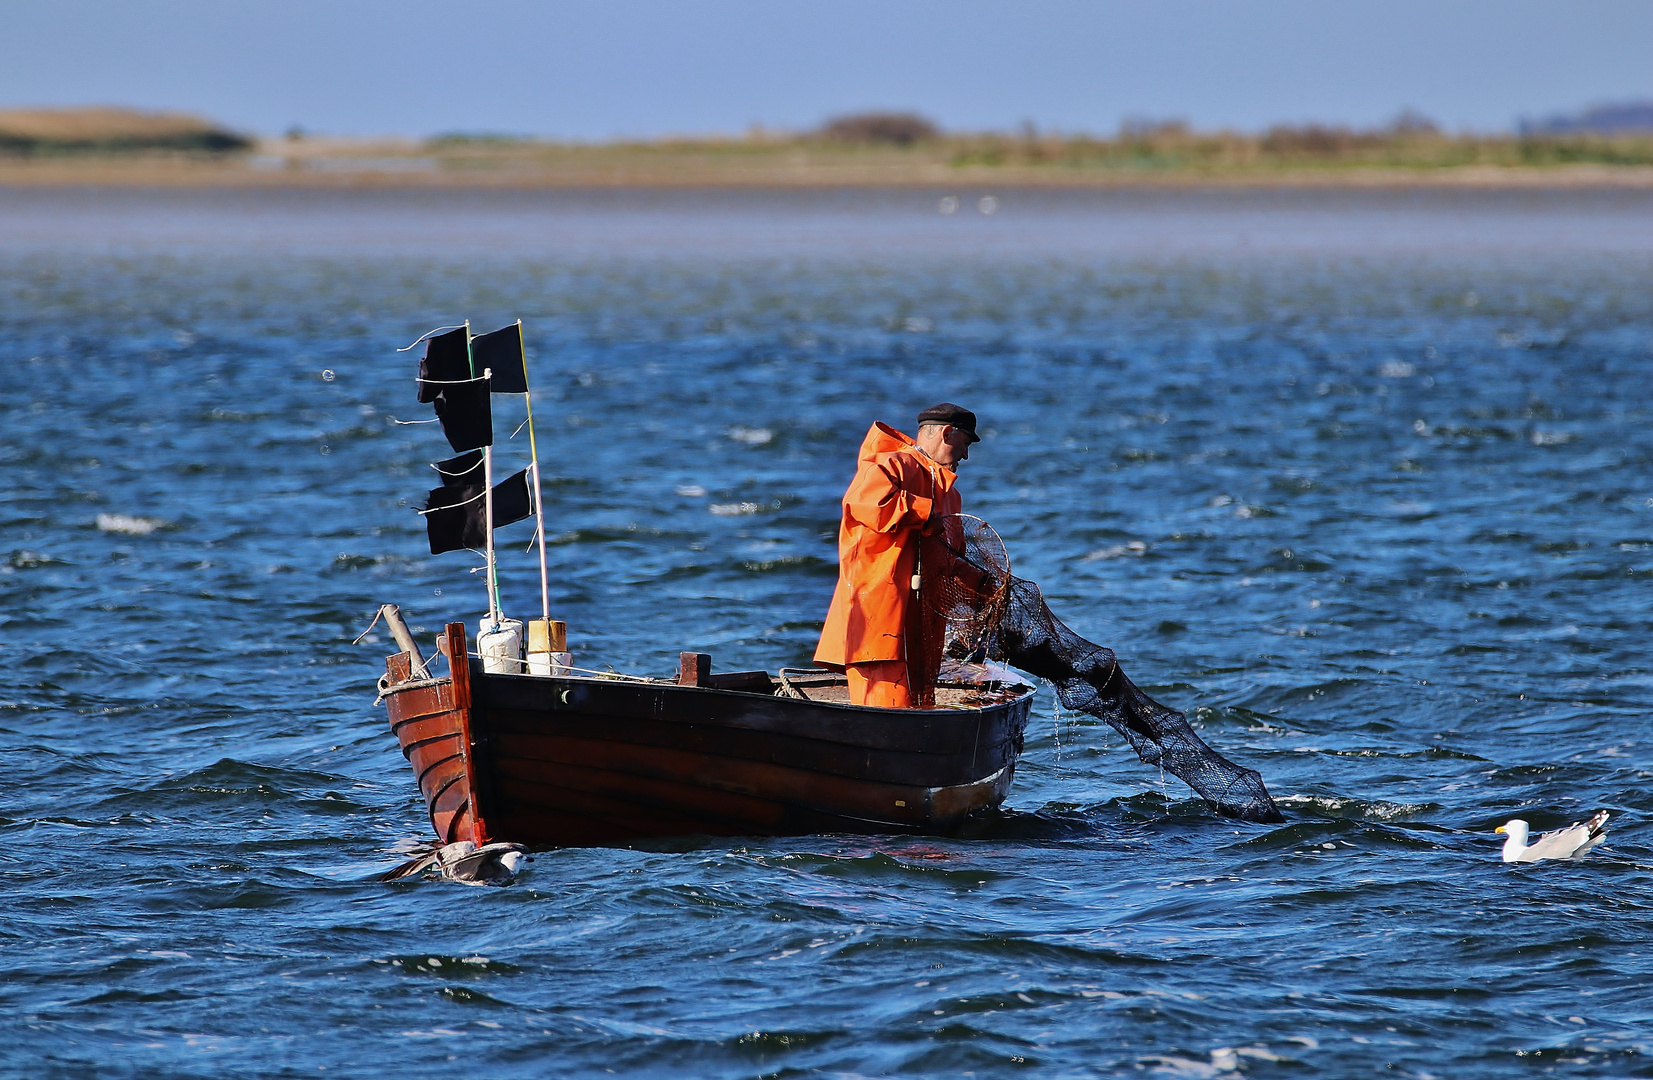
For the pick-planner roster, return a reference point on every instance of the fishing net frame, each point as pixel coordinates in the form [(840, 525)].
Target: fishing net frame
[(970, 606)]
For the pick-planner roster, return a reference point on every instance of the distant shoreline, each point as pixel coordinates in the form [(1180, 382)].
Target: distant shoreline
[(941, 167), (346, 174), (127, 148)]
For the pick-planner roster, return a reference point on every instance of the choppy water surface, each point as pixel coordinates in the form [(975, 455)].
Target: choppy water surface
[(1360, 481)]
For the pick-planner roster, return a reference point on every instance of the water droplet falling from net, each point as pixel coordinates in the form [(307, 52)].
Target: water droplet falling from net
[(972, 606)]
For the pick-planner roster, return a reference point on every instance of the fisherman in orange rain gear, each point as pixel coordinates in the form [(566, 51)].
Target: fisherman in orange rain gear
[(902, 488)]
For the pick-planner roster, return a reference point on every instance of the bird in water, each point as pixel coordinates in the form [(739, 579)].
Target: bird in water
[(1573, 842), (490, 864)]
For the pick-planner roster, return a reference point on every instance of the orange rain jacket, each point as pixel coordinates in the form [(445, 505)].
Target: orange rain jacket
[(896, 492)]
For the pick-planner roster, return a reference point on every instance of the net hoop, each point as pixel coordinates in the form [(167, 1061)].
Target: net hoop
[(979, 546)]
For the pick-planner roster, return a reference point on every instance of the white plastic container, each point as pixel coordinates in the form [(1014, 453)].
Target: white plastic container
[(500, 646), (547, 647), (550, 663)]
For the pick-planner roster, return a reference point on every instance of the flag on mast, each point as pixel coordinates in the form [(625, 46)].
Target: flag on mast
[(455, 518), (466, 412), (459, 374), (501, 353), (505, 356), (446, 362)]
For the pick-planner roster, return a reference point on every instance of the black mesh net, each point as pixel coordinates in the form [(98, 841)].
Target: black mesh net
[(974, 607)]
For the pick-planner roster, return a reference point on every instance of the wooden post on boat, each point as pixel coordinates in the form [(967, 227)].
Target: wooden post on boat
[(694, 669), (404, 639)]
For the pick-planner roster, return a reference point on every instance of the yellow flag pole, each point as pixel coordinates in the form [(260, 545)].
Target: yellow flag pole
[(539, 503)]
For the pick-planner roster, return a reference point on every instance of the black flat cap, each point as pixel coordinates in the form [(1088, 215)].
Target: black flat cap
[(948, 413)]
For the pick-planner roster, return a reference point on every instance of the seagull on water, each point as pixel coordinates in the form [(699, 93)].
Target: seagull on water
[(489, 864), (1573, 842)]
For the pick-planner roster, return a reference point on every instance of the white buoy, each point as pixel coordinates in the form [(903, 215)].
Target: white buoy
[(550, 663), (500, 646)]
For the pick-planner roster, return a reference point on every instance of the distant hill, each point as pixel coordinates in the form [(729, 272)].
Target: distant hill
[(106, 130), (1626, 118), (887, 128)]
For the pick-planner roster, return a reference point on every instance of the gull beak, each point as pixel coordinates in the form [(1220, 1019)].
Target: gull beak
[(1499, 829)]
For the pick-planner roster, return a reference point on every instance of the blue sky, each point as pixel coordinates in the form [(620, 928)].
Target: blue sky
[(585, 69)]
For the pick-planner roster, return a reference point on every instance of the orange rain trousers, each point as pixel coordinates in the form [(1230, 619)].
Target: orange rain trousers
[(882, 683)]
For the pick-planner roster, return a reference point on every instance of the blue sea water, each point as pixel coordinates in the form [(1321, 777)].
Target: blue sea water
[(1360, 480)]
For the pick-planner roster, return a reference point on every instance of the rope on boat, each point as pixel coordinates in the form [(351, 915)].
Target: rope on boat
[(385, 686), (610, 674), (369, 630), (786, 686), (786, 683)]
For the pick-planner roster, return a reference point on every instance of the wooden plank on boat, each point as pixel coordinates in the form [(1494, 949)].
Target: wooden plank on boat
[(652, 808), (439, 771), (694, 669), (519, 735), (571, 829), (418, 701), (616, 793), (747, 682), (917, 731), (635, 807), (398, 668), (412, 733), (801, 787)]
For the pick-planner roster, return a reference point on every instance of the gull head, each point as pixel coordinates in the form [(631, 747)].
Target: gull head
[(1516, 831)]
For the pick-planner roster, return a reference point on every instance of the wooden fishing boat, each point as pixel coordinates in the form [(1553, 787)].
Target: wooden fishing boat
[(551, 760), (515, 745)]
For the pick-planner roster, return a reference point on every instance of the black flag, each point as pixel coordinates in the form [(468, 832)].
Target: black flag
[(467, 415), (446, 361), (513, 499), (501, 352), (454, 519), (455, 514)]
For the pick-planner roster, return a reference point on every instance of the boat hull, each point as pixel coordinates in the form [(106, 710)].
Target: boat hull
[(585, 761)]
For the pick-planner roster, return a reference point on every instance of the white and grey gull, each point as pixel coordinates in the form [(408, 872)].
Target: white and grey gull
[(489, 864), (1573, 842)]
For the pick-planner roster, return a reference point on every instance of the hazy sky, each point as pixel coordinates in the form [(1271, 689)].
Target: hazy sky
[(598, 68)]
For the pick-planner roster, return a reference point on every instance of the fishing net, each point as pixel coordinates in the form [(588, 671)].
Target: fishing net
[(974, 608)]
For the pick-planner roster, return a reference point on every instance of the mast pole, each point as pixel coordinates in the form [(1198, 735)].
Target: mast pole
[(539, 503), (487, 498)]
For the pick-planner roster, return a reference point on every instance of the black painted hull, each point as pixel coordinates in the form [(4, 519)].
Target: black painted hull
[(576, 761)]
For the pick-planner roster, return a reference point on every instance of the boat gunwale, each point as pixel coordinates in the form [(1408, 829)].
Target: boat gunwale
[(1028, 690)]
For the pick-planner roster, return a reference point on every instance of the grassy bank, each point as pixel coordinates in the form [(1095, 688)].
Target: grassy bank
[(1167, 154), (29, 134)]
